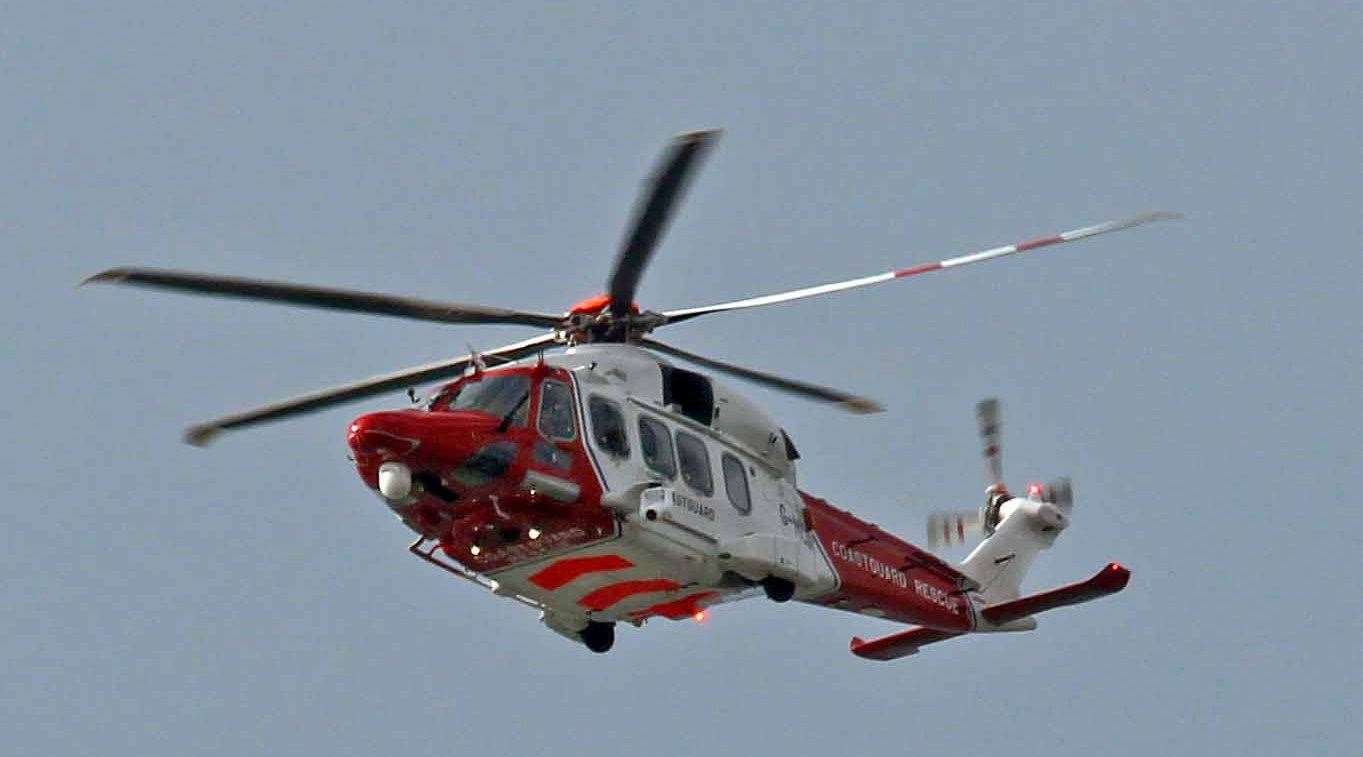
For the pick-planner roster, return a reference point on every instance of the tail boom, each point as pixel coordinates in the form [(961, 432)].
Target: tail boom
[(884, 576)]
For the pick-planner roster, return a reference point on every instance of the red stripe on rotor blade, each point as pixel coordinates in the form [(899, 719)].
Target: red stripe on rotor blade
[(564, 572), (609, 595), (960, 528), (1032, 244), (924, 268)]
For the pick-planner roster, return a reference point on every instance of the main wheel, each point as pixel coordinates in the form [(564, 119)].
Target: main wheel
[(778, 589), (599, 637)]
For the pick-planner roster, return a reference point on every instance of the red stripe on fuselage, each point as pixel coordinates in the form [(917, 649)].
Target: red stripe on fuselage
[(607, 596), (677, 609), (563, 572)]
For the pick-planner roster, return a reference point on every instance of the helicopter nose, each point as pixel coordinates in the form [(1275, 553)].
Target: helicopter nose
[(385, 434), (418, 440)]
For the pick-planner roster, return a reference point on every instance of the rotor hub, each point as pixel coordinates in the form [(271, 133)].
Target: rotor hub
[(596, 305), (591, 321)]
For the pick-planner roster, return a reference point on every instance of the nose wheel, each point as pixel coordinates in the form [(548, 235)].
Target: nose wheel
[(598, 637)]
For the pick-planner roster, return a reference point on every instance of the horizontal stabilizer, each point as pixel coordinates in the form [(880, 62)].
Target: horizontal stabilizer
[(1109, 580), (900, 644)]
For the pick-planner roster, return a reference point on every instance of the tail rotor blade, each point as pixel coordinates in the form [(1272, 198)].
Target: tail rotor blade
[(1061, 493), (949, 528), (988, 416)]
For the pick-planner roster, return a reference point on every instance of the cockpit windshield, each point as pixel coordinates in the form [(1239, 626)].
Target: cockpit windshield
[(499, 395)]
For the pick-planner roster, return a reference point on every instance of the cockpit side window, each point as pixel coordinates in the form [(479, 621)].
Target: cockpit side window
[(656, 445), (608, 426), (499, 395), (694, 462), (556, 411)]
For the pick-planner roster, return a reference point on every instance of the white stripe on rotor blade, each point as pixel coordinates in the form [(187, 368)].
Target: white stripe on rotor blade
[(978, 256), (797, 294)]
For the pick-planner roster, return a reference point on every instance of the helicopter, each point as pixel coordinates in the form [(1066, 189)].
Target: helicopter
[(586, 473)]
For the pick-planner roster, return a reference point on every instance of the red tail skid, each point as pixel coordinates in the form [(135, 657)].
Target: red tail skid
[(1110, 580)]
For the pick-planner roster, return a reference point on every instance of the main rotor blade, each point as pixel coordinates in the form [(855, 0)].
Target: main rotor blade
[(1074, 235), (653, 212), (320, 297), (204, 433), (849, 402)]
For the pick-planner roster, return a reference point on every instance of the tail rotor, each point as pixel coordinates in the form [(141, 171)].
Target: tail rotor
[(948, 528)]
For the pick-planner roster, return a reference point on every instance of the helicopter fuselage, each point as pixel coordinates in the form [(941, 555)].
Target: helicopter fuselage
[(603, 484)]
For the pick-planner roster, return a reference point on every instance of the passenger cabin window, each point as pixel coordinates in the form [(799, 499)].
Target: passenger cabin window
[(501, 396), (556, 411), (736, 484), (608, 427), (694, 463), (656, 445)]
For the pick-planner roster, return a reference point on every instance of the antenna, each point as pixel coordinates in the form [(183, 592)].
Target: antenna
[(476, 359)]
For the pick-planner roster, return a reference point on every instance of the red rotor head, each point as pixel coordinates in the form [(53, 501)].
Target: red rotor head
[(598, 304)]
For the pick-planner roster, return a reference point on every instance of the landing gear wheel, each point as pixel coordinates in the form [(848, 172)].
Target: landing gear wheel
[(778, 589), (599, 637)]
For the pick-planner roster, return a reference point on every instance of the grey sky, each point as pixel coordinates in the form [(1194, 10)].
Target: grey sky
[(1199, 379)]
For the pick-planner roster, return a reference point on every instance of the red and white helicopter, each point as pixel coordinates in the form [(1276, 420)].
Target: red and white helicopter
[(606, 484)]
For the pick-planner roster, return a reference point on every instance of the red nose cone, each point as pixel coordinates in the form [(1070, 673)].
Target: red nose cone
[(392, 433), (419, 437)]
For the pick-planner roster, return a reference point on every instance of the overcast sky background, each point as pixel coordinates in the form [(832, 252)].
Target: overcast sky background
[(1200, 379)]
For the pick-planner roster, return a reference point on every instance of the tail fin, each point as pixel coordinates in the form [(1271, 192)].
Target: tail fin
[(1016, 528), (1025, 527)]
